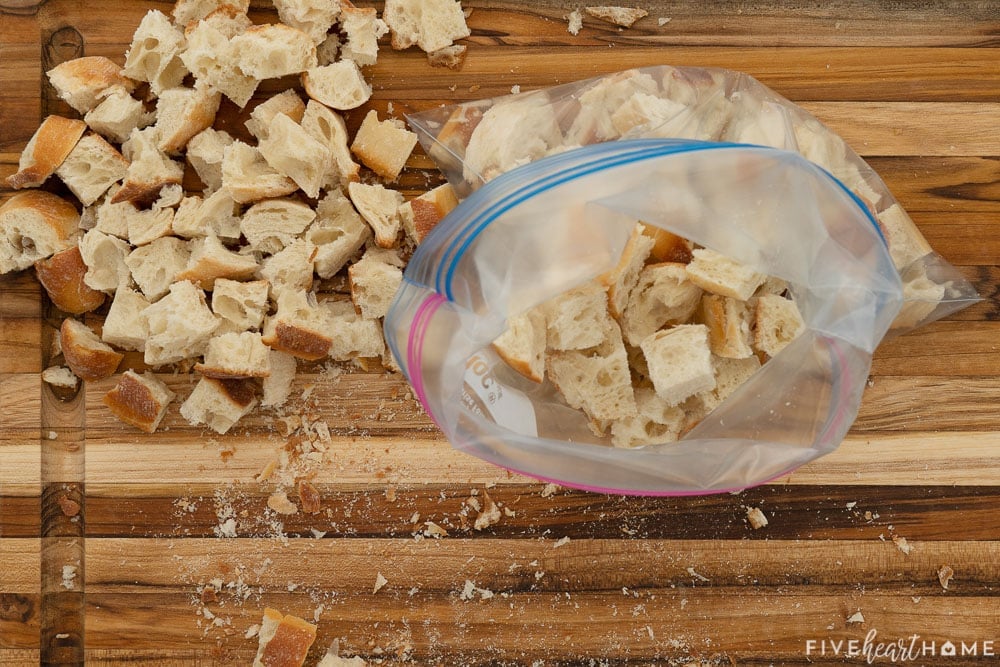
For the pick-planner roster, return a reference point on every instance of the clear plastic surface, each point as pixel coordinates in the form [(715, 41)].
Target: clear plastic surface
[(555, 181)]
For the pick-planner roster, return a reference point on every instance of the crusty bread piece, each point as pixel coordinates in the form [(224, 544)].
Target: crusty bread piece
[(293, 152), (596, 380), (328, 50), (772, 285), (777, 323), (155, 53), (663, 295), (654, 423), (62, 277), (716, 273), (313, 17), (430, 24), (117, 115), (182, 113), (620, 16), (274, 50), (205, 152), (667, 246), (332, 660), (620, 280), (921, 296), (215, 215), (383, 146), (271, 225), (522, 345), (601, 100), (453, 136), (299, 326), (530, 129), (104, 256), (354, 337), (338, 232), (248, 177), (679, 361), (170, 197), (179, 325), (242, 305), (149, 170), (728, 321), (113, 218), (60, 376), (452, 57), (48, 147), (906, 243), (155, 266), (236, 355), (421, 214), (287, 102), (91, 168), (339, 85), (123, 325), (81, 81), (644, 111), (213, 57), (577, 319), (363, 29), (373, 285), (729, 375), (291, 267), (35, 225), (219, 404), (85, 354), (327, 127), (379, 206), (211, 260), (187, 11), (278, 385), (146, 226), (284, 641), (139, 400)]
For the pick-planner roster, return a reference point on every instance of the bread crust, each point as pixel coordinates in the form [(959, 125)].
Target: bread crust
[(51, 144), (85, 354), (47, 221), (138, 400), (62, 277)]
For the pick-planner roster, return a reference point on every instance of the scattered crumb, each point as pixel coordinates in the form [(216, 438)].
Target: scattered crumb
[(390, 494), (380, 581), (549, 490), (851, 505), (53, 435), (575, 20), (945, 575), (561, 543), (69, 577), (431, 529), (68, 506), (280, 503), (662, 21), (515, 89), (470, 590), (756, 518), (620, 16), (902, 544), (916, 599), (856, 617), (252, 631), (268, 471), (697, 576), (452, 57), (489, 516), (309, 496)]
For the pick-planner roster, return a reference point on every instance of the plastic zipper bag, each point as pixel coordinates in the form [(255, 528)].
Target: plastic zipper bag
[(543, 215)]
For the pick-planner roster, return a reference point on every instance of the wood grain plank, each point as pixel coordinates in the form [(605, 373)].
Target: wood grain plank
[(932, 458), (943, 348), (351, 511)]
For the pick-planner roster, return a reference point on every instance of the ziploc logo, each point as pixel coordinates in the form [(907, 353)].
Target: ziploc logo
[(484, 395), (873, 649)]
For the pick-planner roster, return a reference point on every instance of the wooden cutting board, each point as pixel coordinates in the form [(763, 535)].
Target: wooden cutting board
[(110, 546)]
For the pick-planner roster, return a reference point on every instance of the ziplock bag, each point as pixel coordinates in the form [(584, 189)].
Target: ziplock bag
[(543, 215)]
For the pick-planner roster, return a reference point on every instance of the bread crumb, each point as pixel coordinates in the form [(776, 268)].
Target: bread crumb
[(431, 529), (52, 435), (697, 576), (470, 590), (69, 577), (489, 516), (856, 617), (851, 505), (549, 490), (515, 89), (252, 631), (268, 471), (390, 494), (309, 496), (575, 21), (620, 16), (945, 575), (563, 541), (662, 21), (756, 518), (380, 582), (68, 506), (280, 503), (902, 544)]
